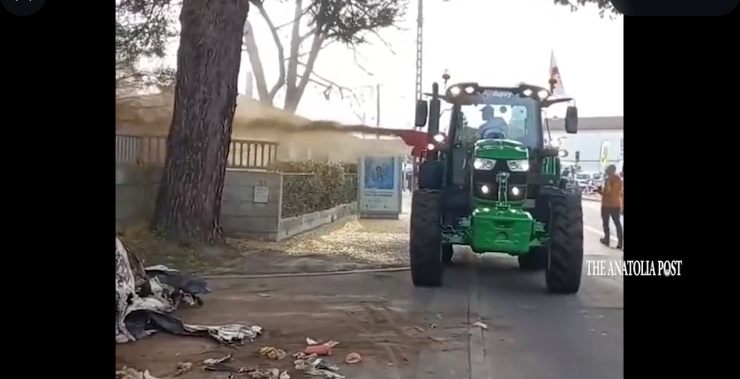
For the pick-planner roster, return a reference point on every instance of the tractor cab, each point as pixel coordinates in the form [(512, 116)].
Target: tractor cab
[(487, 123)]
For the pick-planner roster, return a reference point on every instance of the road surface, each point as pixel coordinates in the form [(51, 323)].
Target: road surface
[(592, 220), (404, 332)]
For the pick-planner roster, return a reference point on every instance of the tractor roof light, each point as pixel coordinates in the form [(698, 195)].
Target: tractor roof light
[(543, 94), (466, 88)]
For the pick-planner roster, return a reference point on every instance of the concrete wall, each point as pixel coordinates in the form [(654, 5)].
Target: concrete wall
[(241, 215), (136, 191)]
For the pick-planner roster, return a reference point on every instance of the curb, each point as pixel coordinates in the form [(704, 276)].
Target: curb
[(304, 274)]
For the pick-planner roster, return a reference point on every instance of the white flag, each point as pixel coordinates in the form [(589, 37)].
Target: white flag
[(558, 89)]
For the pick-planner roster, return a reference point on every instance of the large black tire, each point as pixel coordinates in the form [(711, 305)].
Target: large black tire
[(431, 175), (447, 253), (426, 238), (563, 274), (535, 260)]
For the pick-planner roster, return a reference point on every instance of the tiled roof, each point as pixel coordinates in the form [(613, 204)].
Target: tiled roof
[(591, 123)]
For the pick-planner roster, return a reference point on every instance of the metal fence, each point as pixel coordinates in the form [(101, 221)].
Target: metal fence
[(151, 151)]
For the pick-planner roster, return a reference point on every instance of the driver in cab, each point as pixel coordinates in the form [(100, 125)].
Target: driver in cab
[(493, 127)]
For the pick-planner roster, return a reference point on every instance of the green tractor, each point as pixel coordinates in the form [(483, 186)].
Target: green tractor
[(496, 188)]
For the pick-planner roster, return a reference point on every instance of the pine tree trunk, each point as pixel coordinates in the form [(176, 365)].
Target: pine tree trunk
[(189, 199)]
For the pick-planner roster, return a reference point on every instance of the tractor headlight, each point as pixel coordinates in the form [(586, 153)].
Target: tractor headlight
[(527, 92), (517, 193), (555, 143), (469, 90), (483, 164), (439, 138), (430, 147), (455, 91), (518, 166), (543, 94), (484, 189)]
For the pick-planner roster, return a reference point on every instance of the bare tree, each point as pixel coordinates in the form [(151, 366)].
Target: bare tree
[(349, 22), (189, 199)]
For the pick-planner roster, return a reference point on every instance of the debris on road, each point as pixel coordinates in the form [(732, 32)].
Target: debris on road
[(217, 361), (145, 297), (183, 367), (312, 365), (266, 373), (319, 348), (353, 358), (132, 373), (270, 352), (481, 325)]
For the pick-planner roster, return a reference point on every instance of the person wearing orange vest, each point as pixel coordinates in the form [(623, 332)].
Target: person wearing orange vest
[(611, 207)]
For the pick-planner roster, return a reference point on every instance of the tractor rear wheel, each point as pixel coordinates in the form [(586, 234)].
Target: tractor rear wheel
[(447, 253), (535, 260), (563, 274), (426, 238)]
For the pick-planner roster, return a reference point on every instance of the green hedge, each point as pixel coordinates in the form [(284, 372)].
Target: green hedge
[(314, 186)]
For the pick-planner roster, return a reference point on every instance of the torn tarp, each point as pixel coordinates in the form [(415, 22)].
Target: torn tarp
[(146, 297)]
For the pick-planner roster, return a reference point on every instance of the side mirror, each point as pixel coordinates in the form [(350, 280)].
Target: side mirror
[(422, 110), (571, 120)]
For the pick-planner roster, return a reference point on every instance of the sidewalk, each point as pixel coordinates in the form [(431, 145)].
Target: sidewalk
[(347, 244)]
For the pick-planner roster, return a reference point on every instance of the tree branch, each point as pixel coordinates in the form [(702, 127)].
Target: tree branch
[(326, 44), (278, 44), (295, 44), (304, 37), (318, 40), (358, 64), (305, 11), (253, 53)]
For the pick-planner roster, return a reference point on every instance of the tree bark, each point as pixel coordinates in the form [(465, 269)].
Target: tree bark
[(189, 199)]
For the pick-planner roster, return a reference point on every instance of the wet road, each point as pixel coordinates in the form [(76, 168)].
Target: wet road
[(592, 220), (404, 332), (531, 334)]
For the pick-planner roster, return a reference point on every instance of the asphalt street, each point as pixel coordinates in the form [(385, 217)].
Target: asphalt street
[(527, 333), (488, 321), (531, 334), (592, 220)]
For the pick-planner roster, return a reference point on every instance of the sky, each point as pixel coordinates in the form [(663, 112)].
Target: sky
[(492, 42)]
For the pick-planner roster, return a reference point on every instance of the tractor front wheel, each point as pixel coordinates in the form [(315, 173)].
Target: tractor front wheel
[(426, 238), (535, 260), (563, 274)]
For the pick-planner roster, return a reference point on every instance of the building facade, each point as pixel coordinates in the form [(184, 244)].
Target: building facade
[(597, 137)]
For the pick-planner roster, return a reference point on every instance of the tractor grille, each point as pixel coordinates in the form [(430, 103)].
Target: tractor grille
[(488, 178)]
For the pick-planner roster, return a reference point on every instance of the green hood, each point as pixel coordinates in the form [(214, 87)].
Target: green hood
[(500, 149)]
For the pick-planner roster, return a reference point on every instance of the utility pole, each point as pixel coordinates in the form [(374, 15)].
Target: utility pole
[(377, 109), (419, 62), (419, 48)]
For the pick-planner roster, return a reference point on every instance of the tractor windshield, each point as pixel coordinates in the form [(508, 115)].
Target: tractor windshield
[(511, 118)]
